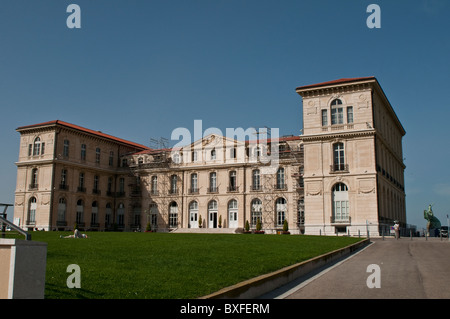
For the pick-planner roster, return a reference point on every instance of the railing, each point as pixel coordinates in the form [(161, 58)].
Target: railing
[(4, 222), (340, 220), (339, 168)]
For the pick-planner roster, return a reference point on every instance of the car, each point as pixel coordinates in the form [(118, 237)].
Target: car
[(444, 231)]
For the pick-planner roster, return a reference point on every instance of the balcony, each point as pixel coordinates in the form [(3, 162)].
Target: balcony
[(96, 191), (341, 220), (255, 188), (81, 189), (339, 168), (213, 189), (33, 186), (193, 190), (63, 187), (280, 186), (233, 189)]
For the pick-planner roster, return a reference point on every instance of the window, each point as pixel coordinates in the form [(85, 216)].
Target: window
[(62, 209), (34, 178), (194, 156), (350, 114), (340, 203), (121, 215), (32, 210), (233, 152), (95, 190), (83, 152), (38, 147), (212, 214), (97, 155), (108, 214), (338, 157), (173, 215), (111, 158), (94, 213), (280, 179), (256, 181), (122, 185), (154, 189), (154, 215), (301, 212), (233, 186), (213, 154), (137, 216), (256, 211), (80, 212), (280, 207), (194, 186), (324, 117), (63, 184), (173, 184), (213, 182), (109, 187), (66, 148), (81, 187), (337, 112)]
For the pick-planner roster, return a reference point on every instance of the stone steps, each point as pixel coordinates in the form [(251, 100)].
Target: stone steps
[(208, 230)]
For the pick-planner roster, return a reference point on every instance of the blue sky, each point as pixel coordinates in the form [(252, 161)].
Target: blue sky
[(139, 69)]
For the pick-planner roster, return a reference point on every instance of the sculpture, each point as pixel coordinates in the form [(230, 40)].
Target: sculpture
[(433, 222)]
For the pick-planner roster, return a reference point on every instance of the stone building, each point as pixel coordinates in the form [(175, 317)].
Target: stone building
[(354, 170), (344, 174)]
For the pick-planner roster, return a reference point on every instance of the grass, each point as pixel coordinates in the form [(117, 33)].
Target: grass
[(170, 266)]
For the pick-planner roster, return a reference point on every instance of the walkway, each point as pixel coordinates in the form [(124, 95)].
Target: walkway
[(416, 268)]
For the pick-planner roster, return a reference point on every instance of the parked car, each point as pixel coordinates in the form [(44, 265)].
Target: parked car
[(444, 231)]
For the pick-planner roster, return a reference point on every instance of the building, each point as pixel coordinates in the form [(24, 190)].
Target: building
[(343, 175), (354, 170)]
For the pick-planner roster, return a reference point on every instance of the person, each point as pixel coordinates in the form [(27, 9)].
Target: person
[(76, 234), (397, 230)]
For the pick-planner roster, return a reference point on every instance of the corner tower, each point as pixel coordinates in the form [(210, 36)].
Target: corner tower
[(354, 170)]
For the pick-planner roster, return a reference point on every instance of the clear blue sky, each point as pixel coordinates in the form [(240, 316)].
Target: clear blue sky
[(139, 69)]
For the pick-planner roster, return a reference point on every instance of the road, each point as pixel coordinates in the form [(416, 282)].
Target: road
[(408, 269)]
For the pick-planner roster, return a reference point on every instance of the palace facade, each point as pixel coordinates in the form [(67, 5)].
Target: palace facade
[(344, 174)]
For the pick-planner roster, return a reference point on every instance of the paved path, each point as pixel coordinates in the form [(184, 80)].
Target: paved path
[(415, 268)]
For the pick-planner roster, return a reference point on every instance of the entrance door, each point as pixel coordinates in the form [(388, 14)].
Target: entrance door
[(212, 214), (193, 215), (212, 220), (232, 214)]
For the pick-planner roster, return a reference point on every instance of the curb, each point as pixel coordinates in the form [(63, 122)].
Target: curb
[(258, 286)]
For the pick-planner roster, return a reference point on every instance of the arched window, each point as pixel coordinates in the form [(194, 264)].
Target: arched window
[(173, 215), (38, 147), (256, 211), (337, 112), (32, 211), (233, 213), (340, 203), (280, 207), (193, 214)]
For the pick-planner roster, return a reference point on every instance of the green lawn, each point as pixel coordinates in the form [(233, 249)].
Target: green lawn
[(169, 266)]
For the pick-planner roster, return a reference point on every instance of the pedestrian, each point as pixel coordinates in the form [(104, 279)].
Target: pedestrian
[(397, 230)]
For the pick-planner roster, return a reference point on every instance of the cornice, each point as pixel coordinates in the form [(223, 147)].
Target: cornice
[(335, 135)]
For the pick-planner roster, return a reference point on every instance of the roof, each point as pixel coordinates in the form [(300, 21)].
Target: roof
[(334, 82), (85, 130)]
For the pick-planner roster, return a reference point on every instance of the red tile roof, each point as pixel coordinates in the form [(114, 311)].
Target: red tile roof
[(85, 130), (340, 81)]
